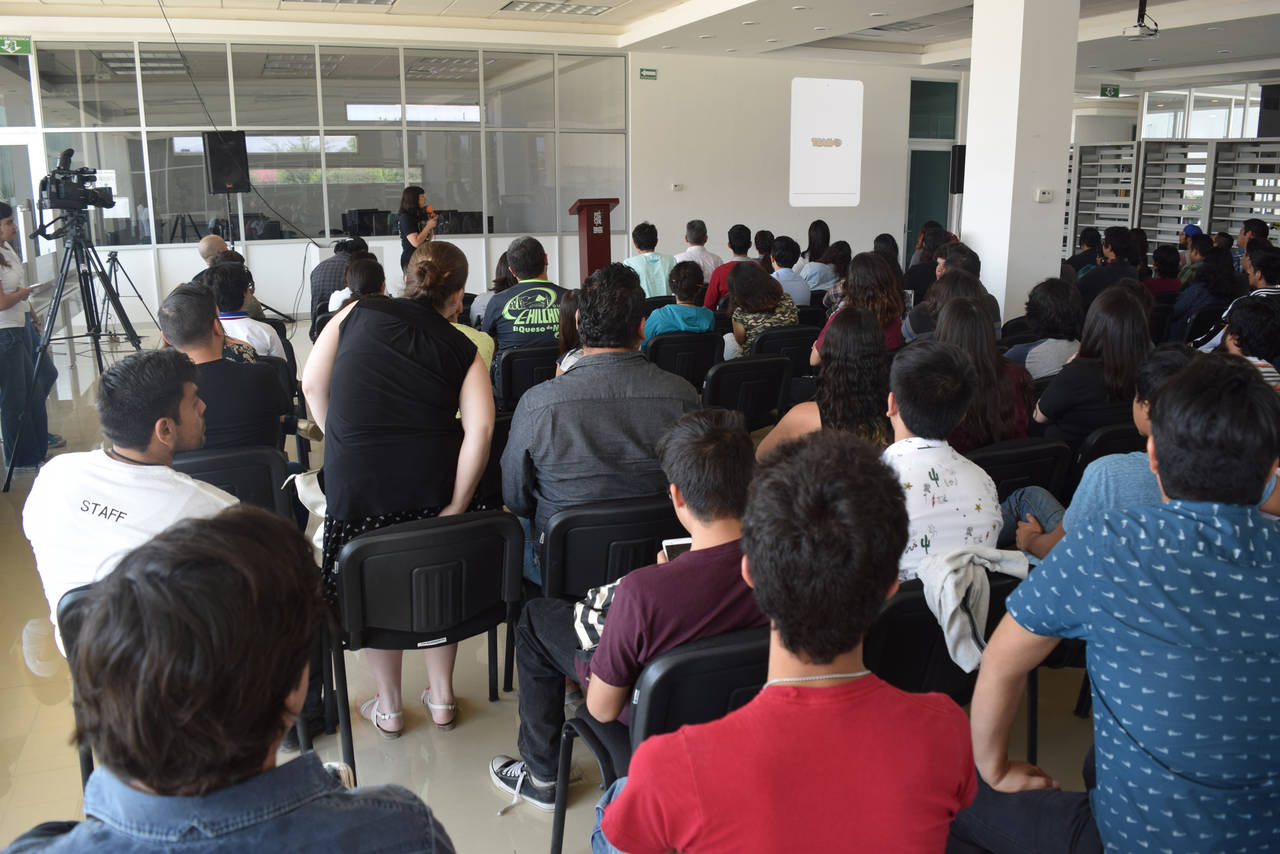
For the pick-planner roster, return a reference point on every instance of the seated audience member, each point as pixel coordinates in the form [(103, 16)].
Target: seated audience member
[(853, 382), (820, 273), (1095, 388), (1117, 246), (918, 252), (1222, 240), (887, 247), (231, 285), (1184, 241), (1036, 521), (1253, 332), (363, 277), (718, 287), (650, 265), (870, 286), (1253, 229), (951, 502), (819, 242), (1166, 278), (763, 241), (218, 253), (1090, 249), (193, 666), (529, 311), (570, 344), (957, 256), (759, 303), (824, 526), (706, 456), (589, 435), (244, 403), (1216, 285), (1138, 253), (839, 256), (503, 278), (327, 277), (1198, 248), (1053, 312), (1262, 272), (921, 321), (695, 234), (1182, 733), (785, 249), (922, 273), (85, 510), (685, 315), (1001, 403)]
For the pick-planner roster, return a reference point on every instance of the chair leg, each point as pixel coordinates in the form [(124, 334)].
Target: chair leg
[(344, 704), (1033, 714), (1084, 702), (567, 735), (326, 687), (509, 666), (493, 665), (304, 734)]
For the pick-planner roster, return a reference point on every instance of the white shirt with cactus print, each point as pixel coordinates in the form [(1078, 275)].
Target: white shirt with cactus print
[(951, 501)]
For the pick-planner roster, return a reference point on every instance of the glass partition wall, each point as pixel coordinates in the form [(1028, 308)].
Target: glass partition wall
[(502, 141)]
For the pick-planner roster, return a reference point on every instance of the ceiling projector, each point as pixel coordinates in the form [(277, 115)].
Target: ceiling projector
[(1141, 32)]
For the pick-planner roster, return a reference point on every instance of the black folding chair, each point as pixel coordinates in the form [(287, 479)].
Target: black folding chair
[(812, 315), (1158, 321), (1016, 463), (427, 583), (752, 385), (1112, 439), (70, 617), (1015, 326), (321, 321), (254, 475), (687, 354), (816, 298), (1202, 320), (794, 342), (724, 323), (694, 683), (597, 543), (521, 368), (652, 304)]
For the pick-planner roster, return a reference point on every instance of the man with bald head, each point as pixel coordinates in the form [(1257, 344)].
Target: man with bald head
[(210, 247)]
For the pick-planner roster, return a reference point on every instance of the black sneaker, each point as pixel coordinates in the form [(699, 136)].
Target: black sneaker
[(512, 776), (290, 742)]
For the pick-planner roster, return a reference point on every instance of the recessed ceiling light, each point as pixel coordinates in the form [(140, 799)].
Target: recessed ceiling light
[(731, 50), (1092, 66), (1225, 50), (1214, 29), (799, 8), (749, 23), (1153, 59), (877, 14), (667, 46), (706, 36), (821, 29), (771, 41), (955, 65)]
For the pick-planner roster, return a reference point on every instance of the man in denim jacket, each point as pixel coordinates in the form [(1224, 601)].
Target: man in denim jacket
[(193, 665)]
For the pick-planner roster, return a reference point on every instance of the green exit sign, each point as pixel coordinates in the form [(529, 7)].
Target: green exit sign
[(1110, 91), (15, 45), (648, 74)]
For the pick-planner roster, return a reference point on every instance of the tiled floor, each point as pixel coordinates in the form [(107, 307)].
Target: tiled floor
[(39, 774)]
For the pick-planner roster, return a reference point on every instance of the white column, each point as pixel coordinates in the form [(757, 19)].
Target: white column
[(1019, 127)]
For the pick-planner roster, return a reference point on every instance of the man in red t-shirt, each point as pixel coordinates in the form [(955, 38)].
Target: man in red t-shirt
[(827, 757), (708, 457), (718, 287)]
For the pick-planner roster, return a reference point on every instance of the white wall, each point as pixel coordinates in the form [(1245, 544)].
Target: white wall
[(1094, 129), (721, 127)]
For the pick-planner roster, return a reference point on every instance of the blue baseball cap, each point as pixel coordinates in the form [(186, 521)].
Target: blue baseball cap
[(1192, 230)]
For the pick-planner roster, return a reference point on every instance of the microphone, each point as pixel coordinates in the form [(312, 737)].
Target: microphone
[(64, 159)]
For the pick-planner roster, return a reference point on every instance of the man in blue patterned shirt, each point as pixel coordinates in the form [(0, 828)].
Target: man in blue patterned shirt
[(1180, 605)]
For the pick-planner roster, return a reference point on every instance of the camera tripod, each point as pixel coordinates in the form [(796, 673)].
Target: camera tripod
[(79, 251), (115, 269)]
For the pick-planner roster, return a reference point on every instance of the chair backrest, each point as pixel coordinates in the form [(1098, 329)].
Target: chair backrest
[(489, 490), (1158, 321), (906, 648), (1202, 320), (687, 354), (816, 298), (70, 617), (1015, 326), (1112, 439), (597, 543), (698, 682), (430, 581), (794, 342), (651, 304), (812, 315), (321, 321), (282, 371), (254, 475), (1039, 385), (724, 323), (752, 385), (521, 368), (1016, 463)]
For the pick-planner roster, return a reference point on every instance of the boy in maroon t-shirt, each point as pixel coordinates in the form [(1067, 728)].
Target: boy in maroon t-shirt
[(827, 757), (708, 457)]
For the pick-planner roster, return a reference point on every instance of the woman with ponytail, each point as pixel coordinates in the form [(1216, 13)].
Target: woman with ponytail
[(407, 411)]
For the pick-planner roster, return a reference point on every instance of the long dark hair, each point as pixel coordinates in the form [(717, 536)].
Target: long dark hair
[(886, 246), (409, 200), (502, 276), (1218, 275), (753, 290), (872, 286), (764, 245), (819, 240), (853, 381), (965, 323), (1116, 332), (838, 255), (569, 338), (953, 284), (5, 213)]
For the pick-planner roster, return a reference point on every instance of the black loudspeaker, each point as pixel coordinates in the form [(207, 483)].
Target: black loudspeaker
[(957, 169), (1269, 114), (226, 162)]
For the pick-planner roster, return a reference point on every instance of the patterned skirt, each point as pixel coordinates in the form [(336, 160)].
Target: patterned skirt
[(339, 532)]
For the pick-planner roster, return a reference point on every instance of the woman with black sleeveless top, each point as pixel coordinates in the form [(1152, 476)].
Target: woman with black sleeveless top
[(407, 410), (417, 223)]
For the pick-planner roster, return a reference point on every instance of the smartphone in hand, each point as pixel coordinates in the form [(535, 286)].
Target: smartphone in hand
[(677, 547)]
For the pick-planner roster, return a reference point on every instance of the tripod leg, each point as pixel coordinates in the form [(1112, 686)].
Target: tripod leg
[(92, 323), (117, 269), (113, 298)]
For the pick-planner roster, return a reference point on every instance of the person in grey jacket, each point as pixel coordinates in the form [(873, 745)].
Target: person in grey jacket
[(589, 435)]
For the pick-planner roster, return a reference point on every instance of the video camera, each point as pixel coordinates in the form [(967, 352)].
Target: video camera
[(71, 189)]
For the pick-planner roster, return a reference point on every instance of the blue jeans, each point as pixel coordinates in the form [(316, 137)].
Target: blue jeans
[(21, 392), (1037, 501), (531, 569), (599, 844)]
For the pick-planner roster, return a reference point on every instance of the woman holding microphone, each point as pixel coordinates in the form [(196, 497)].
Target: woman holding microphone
[(417, 222)]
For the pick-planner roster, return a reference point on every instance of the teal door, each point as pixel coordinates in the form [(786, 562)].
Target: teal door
[(927, 196)]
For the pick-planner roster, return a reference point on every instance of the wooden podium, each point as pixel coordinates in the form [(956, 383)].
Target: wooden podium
[(593, 233)]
